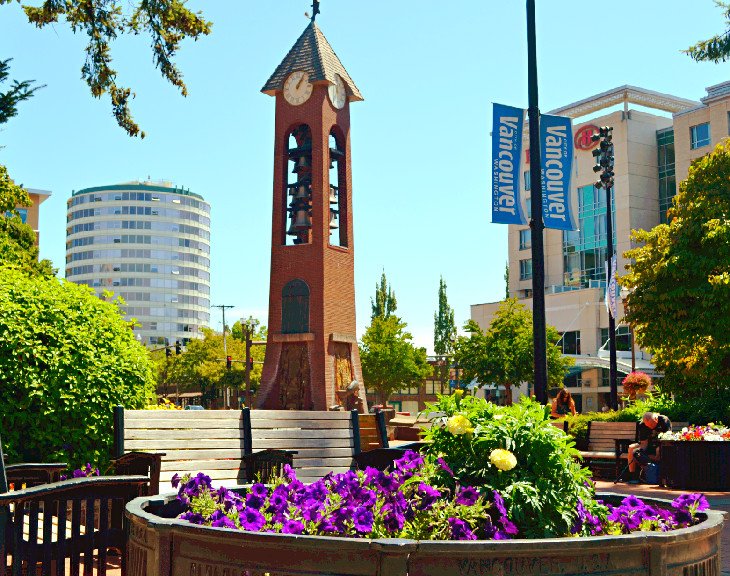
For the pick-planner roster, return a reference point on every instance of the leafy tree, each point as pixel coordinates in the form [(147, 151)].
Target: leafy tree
[(17, 240), (384, 304), (717, 48), (202, 365), (167, 22), (389, 359), (18, 92), (66, 359), (503, 354), (444, 332), (679, 279)]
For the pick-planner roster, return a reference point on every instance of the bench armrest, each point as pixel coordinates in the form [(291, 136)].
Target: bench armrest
[(380, 458), (267, 464), (66, 488), (144, 463), (622, 445)]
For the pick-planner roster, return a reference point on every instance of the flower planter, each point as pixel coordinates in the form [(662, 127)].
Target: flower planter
[(200, 551), (695, 465)]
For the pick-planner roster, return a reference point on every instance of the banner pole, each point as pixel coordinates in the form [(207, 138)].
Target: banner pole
[(536, 223), (612, 371)]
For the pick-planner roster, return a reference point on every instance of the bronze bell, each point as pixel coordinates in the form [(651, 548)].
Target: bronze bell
[(302, 220), (292, 231), (333, 220), (302, 193), (333, 194)]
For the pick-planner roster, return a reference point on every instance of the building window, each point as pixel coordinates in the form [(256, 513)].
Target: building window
[(623, 339), (667, 179), (526, 269), (584, 250), (699, 135), (525, 239), (570, 342), (528, 180)]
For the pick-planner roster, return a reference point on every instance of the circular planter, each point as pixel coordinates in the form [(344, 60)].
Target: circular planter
[(164, 547)]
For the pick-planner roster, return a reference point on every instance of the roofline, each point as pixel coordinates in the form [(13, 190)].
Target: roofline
[(624, 95), (145, 187), (42, 194)]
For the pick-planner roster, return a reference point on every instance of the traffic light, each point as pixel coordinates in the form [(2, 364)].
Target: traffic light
[(229, 360), (250, 363), (178, 348), (167, 351)]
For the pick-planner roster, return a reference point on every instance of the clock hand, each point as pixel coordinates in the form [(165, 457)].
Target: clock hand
[(300, 82)]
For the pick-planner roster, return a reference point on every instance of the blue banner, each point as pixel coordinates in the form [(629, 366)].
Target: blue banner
[(506, 159), (556, 161)]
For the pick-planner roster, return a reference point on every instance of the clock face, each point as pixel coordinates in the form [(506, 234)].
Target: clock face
[(337, 92), (297, 88)]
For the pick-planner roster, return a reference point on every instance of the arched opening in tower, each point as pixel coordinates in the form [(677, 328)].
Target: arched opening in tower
[(298, 189), (337, 189)]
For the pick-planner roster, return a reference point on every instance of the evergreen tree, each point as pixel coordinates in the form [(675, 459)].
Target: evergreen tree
[(444, 328), (506, 280), (384, 304)]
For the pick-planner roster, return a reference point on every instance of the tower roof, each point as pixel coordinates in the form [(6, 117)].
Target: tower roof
[(313, 54)]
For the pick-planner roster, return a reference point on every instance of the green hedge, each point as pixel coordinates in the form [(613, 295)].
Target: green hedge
[(66, 359)]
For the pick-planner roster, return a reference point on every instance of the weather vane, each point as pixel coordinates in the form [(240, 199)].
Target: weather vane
[(315, 9)]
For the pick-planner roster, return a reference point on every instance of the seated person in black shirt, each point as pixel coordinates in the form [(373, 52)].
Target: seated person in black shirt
[(646, 450)]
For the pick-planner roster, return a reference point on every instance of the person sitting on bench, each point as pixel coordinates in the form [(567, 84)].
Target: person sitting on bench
[(647, 449)]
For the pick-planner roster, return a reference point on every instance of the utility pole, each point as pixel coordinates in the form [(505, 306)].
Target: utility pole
[(604, 164), (536, 224), (225, 347)]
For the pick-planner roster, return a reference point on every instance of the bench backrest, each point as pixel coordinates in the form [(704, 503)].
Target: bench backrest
[(677, 426), (209, 441), (601, 435), (324, 441)]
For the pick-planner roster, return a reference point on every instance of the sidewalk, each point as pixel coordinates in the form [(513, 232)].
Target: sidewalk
[(718, 501)]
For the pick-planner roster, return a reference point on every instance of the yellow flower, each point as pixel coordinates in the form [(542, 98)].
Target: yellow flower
[(459, 392), (459, 424), (503, 459)]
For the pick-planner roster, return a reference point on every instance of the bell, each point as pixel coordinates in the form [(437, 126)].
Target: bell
[(302, 193), (292, 231), (302, 220), (333, 220), (333, 194)]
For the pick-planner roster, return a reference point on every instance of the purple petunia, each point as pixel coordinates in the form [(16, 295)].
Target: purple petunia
[(467, 496), (428, 496), (251, 519), (445, 467), (259, 490), (363, 520), (292, 527), (220, 520), (460, 530)]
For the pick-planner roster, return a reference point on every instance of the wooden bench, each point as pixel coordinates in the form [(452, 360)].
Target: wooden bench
[(609, 441), (235, 446)]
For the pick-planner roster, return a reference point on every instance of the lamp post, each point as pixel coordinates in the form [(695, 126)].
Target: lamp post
[(536, 224), (604, 164)]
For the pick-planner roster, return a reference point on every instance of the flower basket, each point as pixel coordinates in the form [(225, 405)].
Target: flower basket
[(636, 384)]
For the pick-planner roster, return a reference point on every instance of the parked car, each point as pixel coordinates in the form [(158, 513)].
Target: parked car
[(194, 407)]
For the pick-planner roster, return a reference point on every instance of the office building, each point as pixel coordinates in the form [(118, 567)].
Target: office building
[(653, 151), (30, 214), (150, 244)]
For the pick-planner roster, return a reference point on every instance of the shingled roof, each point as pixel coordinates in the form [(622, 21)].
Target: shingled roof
[(313, 54)]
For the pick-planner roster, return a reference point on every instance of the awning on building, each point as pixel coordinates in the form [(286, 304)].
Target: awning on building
[(623, 365)]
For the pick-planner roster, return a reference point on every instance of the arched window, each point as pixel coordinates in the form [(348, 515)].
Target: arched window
[(337, 191), (295, 307)]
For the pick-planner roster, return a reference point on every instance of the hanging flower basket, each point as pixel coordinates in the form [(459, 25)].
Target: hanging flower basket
[(635, 384)]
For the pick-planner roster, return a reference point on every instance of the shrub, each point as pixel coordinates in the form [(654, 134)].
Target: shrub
[(518, 453), (66, 359)]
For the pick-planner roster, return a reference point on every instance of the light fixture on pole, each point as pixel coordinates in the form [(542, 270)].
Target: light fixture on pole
[(604, 164)]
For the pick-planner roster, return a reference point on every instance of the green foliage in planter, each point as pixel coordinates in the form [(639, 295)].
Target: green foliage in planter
[(543, 488), (66, 359)]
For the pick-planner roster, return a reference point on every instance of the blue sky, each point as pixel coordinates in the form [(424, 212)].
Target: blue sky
[(429, 72)]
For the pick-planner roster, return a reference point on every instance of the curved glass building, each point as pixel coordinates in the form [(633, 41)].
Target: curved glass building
[(148, 242)]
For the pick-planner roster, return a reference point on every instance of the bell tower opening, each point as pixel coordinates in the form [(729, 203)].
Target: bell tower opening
[(298, 189), (338, 189)]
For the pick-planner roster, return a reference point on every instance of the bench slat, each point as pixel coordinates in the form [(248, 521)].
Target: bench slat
[(156, 445), (301, 424), (257, 415), (193, 436), (180, 414), (296, 434), (191, 424)]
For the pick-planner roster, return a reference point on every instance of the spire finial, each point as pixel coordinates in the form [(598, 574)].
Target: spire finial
[(315, 9)]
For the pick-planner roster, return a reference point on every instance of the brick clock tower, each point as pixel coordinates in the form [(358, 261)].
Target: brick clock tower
[(312, 360)]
